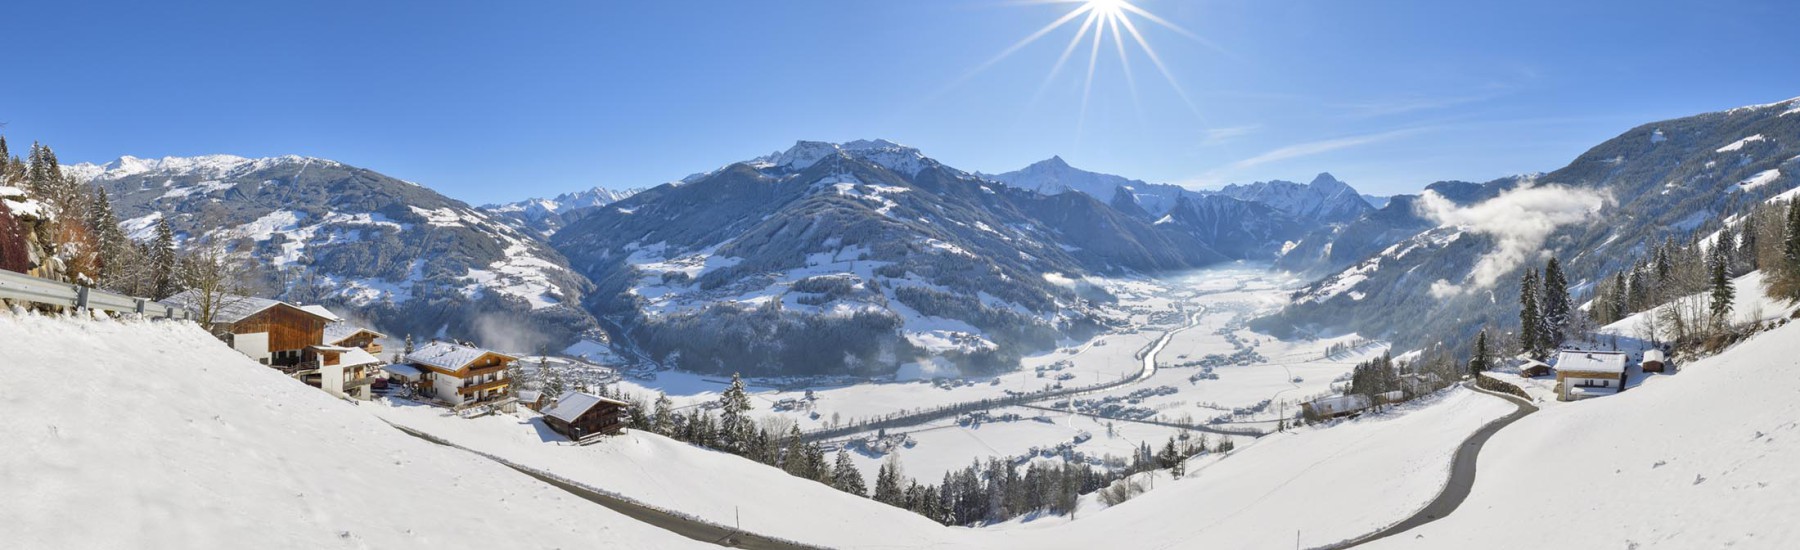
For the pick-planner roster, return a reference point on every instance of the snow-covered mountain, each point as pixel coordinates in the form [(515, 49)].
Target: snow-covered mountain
[(1325, 200), (902, 258), (402, 256), (545, 216), (1054, 176), (1674, 179)]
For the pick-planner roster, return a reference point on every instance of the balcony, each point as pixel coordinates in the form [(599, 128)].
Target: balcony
[(477, 388), (478, 371)]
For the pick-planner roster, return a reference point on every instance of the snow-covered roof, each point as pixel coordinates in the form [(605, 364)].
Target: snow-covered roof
[(1653, 355), (231, 308), (403, 370), (356, 356), (337, 332), (573, 404), (320, 310), (1340, 403), (1592, 390), (1590, 361), (446, 355)]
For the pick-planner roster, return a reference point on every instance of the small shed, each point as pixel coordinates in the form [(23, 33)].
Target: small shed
[(1532, 368), (1654, 361), (583, 416)]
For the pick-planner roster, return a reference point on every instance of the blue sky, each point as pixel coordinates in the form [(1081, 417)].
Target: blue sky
[(492, 101)]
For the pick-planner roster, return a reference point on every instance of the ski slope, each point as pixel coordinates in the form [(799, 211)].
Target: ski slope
[(1700, 459), (136, 434)]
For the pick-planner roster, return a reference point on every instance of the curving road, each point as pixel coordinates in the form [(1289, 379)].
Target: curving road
[(1462, 475)]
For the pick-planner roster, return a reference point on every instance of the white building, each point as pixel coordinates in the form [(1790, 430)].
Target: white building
[(461, 375), (1582, 374)]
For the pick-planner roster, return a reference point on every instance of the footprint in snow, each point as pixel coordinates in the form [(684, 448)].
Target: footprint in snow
[(1698, 479)]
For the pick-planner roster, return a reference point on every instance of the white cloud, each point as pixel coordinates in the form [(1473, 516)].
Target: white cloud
[(1215, 136), (1519, 221), (1323, 146)]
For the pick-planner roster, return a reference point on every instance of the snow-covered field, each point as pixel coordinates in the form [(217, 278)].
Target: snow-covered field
[(124, 434), (1701, 459)]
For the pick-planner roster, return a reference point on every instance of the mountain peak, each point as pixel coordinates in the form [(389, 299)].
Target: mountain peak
[(891, 155)]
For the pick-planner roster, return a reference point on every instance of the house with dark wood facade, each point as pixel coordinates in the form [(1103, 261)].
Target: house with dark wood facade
[(352, 336), (583, 417), (462, 375), (1582, 374), (272, 332)]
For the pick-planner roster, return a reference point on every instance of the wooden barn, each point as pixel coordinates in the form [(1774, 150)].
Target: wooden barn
[(1654, 361), (582, 417), (1534, 369), (270, 331), (1581, 374)]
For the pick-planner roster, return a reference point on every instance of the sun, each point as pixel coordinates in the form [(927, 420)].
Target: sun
[(1094, 21)]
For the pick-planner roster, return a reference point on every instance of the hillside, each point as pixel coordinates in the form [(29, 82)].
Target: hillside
[(1675, 179), (901, 257), (131, 434), (1699, 459), (401, 256)]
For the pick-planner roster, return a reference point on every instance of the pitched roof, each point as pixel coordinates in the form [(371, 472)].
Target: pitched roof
[(446, 355), (231, 308), (1653, 355), (573, 404), (403, 370), (337, 332), (320, 310), (356, 356), (1590, 361)]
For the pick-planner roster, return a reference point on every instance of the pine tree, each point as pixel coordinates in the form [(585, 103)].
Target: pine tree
[(1555, 305), (887, 483), (1722, 291), (109, 238), (1479, 361), (733, 424), (845, 478), (162, 260), (662, 422), (1531, 320)]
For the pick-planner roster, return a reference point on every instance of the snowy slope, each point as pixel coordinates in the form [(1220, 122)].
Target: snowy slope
[(1701, 459), (155, 435), (672, 475)]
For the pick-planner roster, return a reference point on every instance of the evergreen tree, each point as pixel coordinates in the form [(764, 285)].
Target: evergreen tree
[(1722, 291), (1555, 305), (110, 239), (662, 421), (1531, 319), (162, 261), (845, 478), (1479, 361), (733, 424), (887, 483)]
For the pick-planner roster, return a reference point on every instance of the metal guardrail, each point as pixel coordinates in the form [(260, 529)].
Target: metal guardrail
[(25, 288)]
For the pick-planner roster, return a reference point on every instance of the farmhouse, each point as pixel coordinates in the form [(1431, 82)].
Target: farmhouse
[(461, 375), (584, 416), (1335, 406), (1582, 374), (272, 332), (1654, 361)]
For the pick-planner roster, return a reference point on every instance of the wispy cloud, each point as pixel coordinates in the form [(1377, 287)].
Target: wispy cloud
[(1311, 148), (1410, 104), (1216, 136)]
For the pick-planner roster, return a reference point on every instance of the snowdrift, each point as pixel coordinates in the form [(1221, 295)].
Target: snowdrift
[(1700, 459), (134, 434)]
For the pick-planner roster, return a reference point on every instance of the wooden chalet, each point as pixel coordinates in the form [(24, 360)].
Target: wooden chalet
[(462, 375), (351, 336), (584, 417), (1582, 374), (272, 332)]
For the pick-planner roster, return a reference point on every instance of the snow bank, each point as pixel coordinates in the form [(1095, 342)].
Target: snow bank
[(155, 435), (1700, 459), (668, 474)]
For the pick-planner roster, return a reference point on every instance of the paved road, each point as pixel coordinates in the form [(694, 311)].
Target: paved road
[(688, 527), (1462, 475)]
